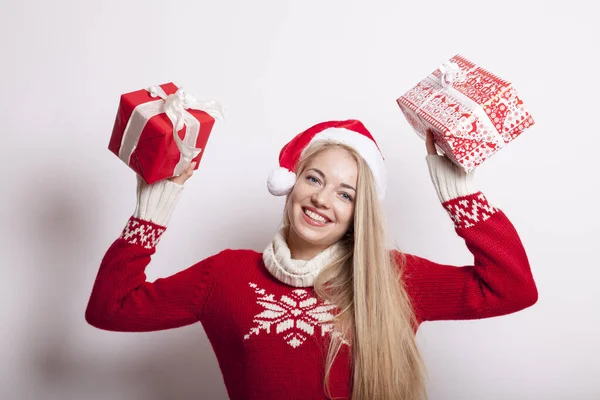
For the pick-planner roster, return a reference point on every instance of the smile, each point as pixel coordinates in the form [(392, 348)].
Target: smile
[(315, 218)]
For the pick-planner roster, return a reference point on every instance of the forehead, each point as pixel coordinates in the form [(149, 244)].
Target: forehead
[(336, 163)]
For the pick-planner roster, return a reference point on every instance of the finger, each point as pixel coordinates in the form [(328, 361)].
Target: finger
[(190, 168), (429, 143), (185, 175)]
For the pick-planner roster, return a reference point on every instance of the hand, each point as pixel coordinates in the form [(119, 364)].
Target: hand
[(185, 175), (429, 144)]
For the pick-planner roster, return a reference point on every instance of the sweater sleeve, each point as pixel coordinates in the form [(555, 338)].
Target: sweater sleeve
[(448, 179), (498, 282), (156, 202), (122, 299)]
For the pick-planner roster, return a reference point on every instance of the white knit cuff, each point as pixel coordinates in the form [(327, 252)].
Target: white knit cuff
[(156, 202), (450, 180)]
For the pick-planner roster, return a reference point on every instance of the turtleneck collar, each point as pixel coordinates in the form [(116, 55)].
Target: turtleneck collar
[(297, 273)]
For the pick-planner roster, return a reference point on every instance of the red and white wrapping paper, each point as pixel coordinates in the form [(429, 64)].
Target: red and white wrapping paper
[(158, 131), (472, 112)]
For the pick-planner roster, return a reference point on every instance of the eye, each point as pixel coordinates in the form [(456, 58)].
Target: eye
[(346, 196), (312, 179)]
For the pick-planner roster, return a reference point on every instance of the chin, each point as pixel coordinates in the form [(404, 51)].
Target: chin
[(310, 236), (323, 236)]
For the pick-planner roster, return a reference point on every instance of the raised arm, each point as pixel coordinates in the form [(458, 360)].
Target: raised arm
[(498, 282), (121, 298)]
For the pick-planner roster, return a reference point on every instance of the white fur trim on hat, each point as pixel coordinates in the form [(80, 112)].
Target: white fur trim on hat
[(281, 181)]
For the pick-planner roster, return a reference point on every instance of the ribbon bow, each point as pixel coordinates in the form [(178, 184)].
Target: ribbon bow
[(175, 107), (451, 72)]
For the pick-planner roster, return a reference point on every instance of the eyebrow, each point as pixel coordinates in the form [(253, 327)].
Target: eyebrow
[(318, 171)]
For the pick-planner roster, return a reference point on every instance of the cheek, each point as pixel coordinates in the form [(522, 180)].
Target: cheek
[(301, 190), (346, 213), (293, 204)]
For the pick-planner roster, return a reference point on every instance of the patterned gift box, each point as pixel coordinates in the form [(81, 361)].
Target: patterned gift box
[(158, 131), (472, 112)]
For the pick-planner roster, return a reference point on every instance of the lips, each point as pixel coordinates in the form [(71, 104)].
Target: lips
[(311, 209)]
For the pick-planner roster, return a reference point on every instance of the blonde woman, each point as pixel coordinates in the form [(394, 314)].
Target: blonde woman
[(327, 310)]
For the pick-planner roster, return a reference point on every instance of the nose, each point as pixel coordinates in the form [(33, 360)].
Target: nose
[(321, 198)]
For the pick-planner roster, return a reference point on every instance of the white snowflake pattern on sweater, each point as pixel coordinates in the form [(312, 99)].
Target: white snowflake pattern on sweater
[(295, 316)]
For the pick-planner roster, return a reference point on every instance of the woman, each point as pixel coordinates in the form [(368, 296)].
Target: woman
[(327, 310)]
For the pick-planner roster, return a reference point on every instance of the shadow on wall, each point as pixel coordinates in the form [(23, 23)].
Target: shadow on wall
[(61, 349)]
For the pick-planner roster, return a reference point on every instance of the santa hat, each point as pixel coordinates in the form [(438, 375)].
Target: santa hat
[(351, 132)]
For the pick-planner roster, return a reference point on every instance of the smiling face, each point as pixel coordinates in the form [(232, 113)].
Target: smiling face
[(321, 205)]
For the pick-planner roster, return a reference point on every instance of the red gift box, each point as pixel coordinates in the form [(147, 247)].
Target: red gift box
[(472, 112), (160, 130)]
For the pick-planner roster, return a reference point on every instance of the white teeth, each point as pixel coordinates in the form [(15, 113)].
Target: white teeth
[(314, 216)]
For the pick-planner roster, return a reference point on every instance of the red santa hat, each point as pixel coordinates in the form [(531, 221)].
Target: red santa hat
[(351, 132)]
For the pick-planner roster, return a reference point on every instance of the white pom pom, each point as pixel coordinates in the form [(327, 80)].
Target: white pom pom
[(280, 181)]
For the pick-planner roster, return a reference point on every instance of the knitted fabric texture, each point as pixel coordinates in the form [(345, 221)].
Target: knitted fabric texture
[(298, 273), (269, 337)]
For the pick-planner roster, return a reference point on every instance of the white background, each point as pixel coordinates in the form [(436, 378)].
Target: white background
[(279, 67)]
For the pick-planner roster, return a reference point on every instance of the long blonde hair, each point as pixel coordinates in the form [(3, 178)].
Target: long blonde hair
[(376, 316)]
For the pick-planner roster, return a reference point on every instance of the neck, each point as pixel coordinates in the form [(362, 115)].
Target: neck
[(301, 249)]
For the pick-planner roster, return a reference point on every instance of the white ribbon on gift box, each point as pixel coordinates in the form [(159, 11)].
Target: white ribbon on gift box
[(451, 72), (175, 106)]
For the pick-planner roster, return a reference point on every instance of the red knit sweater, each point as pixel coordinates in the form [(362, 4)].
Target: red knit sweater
[(266, 335)]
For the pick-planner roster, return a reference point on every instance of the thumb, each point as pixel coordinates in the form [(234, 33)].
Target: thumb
[(429, 142), (185, 175)]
